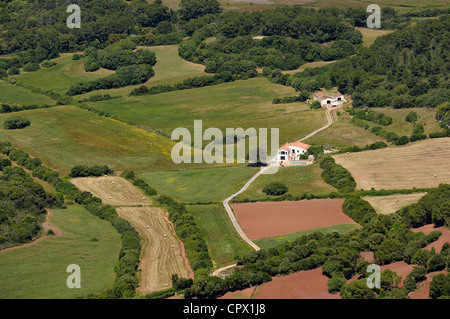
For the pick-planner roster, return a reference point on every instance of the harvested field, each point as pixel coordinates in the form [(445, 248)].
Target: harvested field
[(113, 190), (270, 219), (421, 164), (390, 204), (444, 238), (162, 254)]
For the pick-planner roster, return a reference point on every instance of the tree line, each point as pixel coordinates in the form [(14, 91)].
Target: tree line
[(126, 280)]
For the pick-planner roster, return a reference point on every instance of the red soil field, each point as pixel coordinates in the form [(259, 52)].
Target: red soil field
[(309, 284), (269, 219), (240, 294), (401, 268), (444, 238), (423, 288)]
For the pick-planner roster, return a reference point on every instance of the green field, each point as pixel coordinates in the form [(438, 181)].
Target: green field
[(200, 185), (223, 241), (11, 94), (266, 243), (60, 77), (426, 117), (245, 103), (343, 134), (65, 136), (170, 68), (300, 179), (39, 270), (251, 5)]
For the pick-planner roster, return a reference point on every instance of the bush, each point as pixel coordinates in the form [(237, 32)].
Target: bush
[(335, 283), (16, 122), (85, 171), (275, 189), (31, 67)]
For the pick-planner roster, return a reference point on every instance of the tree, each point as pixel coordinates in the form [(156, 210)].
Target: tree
[(335, 283), (275, 189), (440, 286), (357, 290), (192, 9), (411, 117), (16, 122), (315, 105), (436, 263)]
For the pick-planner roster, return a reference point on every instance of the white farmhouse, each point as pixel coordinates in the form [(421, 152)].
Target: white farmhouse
[(334, 99), (292, 151)]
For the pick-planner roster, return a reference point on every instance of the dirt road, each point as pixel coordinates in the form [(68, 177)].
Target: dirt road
[(261, 171)]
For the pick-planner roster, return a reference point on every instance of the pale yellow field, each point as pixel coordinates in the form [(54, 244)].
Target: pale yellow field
[(390, 204), (113, 190), (161, 251), (370, 35), (421, 164)]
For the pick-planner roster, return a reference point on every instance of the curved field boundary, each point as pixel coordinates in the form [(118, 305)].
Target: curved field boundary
[(261, 171), (161, 253)]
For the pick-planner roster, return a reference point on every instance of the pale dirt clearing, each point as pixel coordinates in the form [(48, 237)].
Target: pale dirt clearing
[(161, 251), (113, 190), (390, 204), (420, 164)]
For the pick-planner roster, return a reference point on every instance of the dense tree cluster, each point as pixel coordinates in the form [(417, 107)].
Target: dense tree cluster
[(126, 280), (23, 204), (9, 108), (388, 236), (191, 235), (16, 122), (138, 182), (85, 171), (275, 189), (407, 68), (371, 116), (336, 175)]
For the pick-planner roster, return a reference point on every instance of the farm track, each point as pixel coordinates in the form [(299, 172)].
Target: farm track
[(262, 171)]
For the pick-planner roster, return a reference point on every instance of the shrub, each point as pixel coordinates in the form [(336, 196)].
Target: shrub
[(335, 283), (275, 189), (16, 122), (31, 67)]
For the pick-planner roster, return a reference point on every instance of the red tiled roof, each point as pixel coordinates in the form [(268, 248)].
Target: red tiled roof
[(297, 144)]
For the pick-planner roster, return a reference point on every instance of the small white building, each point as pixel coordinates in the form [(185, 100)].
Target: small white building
[(334, 99), (292, 151)]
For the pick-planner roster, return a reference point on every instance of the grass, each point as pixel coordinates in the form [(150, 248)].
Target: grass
[(223, 241), (245, 103), (390, 204), (39, 270), (200, 185), (343, 134), (60, 77), (370, 35), (11, 94), (266, 243), (170, 68), (65, 136), (426, 117), (299, 180)]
